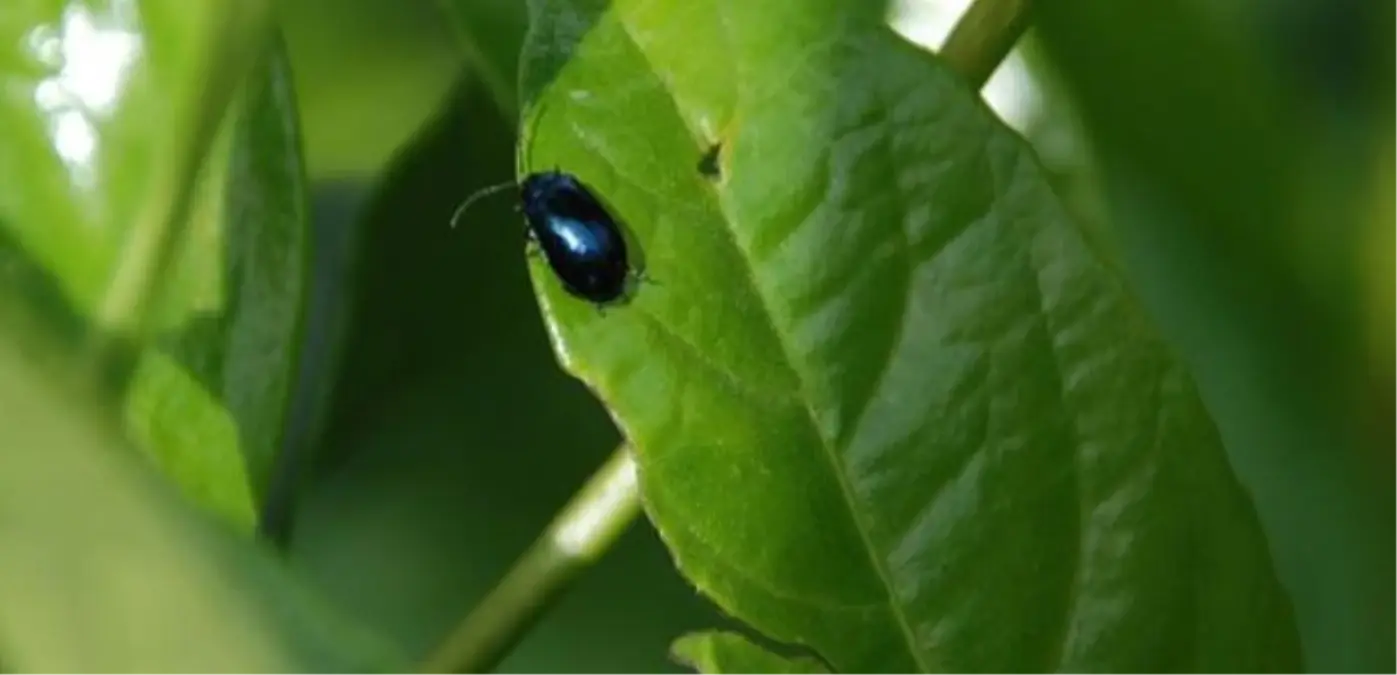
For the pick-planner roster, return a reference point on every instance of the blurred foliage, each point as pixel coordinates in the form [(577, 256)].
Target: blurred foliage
[(228, 296), (368, 75), (109, 572), (93, 174), (490, 33), (1236, 179)]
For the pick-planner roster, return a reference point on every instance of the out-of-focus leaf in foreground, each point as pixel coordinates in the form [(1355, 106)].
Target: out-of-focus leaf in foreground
[(99, 104), (104, 569), (723, 652), (886, 402)]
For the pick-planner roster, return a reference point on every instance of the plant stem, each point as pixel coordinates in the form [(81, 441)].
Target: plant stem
[(610, 501), (983, 37), (579, 536)]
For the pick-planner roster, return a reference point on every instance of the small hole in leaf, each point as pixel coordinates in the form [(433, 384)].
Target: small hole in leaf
[(708, 164)]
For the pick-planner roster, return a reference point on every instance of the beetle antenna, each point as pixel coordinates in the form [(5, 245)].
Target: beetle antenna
[(477, 196)]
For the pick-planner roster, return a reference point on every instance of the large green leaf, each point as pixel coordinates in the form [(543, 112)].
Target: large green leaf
[(103, 569), (102, 105), (886, 402)]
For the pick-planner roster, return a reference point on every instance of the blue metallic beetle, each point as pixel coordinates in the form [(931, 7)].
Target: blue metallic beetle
[(579, 238)]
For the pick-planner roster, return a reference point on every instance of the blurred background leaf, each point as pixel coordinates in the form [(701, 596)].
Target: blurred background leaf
[(369, 74), (489, 35), (1236, 148), (212, 398)]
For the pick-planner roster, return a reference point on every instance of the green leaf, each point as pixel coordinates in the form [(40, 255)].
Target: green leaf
[(886, 402), (103, 569), (725, 652), (1243, 131), (216, 391), (100, 106)]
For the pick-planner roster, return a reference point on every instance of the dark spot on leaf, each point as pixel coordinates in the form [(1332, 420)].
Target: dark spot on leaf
[(708, 164)]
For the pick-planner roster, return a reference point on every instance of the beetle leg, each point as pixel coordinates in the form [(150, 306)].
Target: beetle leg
[(531, 246)]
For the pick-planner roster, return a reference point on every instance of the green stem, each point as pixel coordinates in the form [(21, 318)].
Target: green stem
[(584, 530), (983, 37)]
